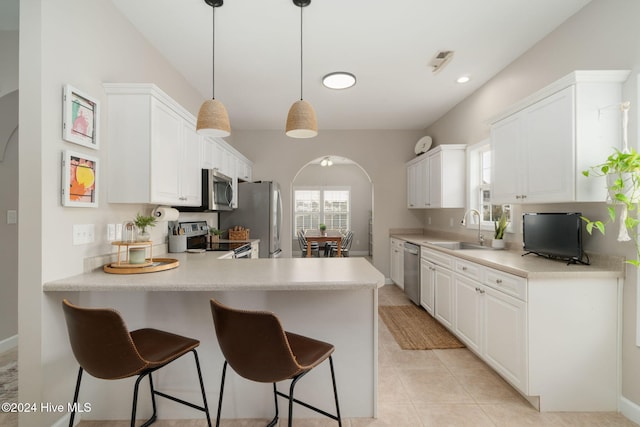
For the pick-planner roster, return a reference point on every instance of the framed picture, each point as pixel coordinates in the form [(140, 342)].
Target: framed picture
[(79, 180), (80, 118)]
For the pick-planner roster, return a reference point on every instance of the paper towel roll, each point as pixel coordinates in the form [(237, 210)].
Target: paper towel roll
[(165, 213)]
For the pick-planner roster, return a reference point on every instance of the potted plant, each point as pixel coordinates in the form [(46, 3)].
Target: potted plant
[(142, 222), (622, 172), (500, 226), (323, 229), (214, 234)]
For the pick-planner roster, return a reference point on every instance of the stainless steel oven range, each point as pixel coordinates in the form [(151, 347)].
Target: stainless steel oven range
[(196, 233)]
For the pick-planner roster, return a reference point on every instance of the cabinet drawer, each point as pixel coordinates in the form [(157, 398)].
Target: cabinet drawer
[(470, 270), (507, 283), (437, 257)]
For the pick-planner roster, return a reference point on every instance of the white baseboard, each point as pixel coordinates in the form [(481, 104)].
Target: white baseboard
[(8, 344), (630, 409)]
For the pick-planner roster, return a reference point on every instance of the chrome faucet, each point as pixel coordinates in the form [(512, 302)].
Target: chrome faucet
[(464, 223)]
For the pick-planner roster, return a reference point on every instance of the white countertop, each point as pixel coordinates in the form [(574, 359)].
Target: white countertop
[(203, 272), (529, 266)]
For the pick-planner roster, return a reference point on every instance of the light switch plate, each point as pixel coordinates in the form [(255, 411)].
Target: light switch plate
[(12, 217), (83, 234)]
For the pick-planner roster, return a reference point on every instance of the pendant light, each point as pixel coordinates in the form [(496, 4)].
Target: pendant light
[(301, 120), (213, 119)]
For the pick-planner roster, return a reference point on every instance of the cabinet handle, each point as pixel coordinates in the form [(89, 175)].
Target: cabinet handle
[(464, 268), (499, 281), (481, 291), (524, 196)]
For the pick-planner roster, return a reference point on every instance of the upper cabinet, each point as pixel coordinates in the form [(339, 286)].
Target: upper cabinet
[(154, 150), (541, 145), (436, 179)]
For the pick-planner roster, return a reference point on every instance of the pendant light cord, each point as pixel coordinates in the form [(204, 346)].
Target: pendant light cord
[(213, 54), (301, 48)]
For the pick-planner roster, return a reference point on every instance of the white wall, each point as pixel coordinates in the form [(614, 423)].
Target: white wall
[(351, 176), (83, 44), (603, 35), (9, 180)]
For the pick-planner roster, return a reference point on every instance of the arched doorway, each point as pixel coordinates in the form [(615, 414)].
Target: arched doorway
[(337, 191)]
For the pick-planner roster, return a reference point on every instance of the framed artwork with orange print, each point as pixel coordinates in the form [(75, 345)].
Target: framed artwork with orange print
[(79, 180)]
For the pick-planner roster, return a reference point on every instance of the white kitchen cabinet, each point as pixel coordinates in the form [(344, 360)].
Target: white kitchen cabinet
[(504, 329), (437, 178), (244, 169), (555, 338), (442, 283), (397, 262), (468, 312), (541, 145), (427, 285), (153, 148)]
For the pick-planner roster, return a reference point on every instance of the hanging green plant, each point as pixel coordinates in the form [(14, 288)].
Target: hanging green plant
[(622, 172)]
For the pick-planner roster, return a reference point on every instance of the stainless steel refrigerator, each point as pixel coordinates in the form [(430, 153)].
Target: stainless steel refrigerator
[(260, 210)]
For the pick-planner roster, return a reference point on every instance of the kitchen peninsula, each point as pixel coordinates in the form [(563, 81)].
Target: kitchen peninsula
[(331, 299)]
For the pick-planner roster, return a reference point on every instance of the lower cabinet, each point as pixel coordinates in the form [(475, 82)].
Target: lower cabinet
[(552, 337), (397, 262), (427, 285)]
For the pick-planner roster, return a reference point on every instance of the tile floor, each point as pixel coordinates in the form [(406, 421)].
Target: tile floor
[(425, 388)]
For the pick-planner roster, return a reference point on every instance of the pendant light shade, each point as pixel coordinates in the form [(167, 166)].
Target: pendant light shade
[(301, 120), (213, 119)]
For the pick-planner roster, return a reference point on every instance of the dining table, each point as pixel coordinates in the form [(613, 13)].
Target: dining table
[(323, 237)]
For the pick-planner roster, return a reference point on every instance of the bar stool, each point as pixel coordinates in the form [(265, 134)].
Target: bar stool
[(104, 348), (258, 349)]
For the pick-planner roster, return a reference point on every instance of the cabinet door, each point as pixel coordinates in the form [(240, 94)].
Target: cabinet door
[(397, 263), (468, 311), (413, 187), (190, 176), (427, 277), (548, 136), (166, 131), (443, 280), (434, 180), (506, 168), (505, 336)]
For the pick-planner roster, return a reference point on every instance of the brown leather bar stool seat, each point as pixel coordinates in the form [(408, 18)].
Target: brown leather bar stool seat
[(104, 347), (259, 349)]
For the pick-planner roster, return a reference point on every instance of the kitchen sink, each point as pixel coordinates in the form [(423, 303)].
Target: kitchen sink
[(460, 245)]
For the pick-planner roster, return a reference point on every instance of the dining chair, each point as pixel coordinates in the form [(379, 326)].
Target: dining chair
[(103, 346), (345, 245), (302, 242), (257, 348)]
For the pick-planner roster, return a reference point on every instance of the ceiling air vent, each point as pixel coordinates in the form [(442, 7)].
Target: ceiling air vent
[(441, 59)]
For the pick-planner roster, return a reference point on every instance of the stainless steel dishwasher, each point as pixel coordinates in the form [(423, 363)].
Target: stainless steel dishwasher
[(412, 272)]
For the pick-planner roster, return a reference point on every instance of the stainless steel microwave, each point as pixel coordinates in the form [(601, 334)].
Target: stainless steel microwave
[(217, 193)]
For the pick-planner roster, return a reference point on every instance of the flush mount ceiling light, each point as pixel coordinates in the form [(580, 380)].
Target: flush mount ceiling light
[(339, 80), (463, 79), (213, 119), (326, 162), (301, 120)]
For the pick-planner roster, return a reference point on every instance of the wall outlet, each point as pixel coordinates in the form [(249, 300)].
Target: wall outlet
[(111, 232), (83, 234), (118, 232), (429, 221), (450, 222)]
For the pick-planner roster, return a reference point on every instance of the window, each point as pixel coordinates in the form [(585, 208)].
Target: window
[(321, 205), (480, 185)]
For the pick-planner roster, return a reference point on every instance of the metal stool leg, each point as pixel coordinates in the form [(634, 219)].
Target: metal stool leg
[(75, 397), (204, 395), (274, 421), (335, 391), (224, 373)]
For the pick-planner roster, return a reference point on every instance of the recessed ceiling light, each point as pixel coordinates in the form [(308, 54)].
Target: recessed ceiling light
[(463, 79), (339, 80)]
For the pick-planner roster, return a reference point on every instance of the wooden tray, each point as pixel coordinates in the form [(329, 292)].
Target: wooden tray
[(159, 264)]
